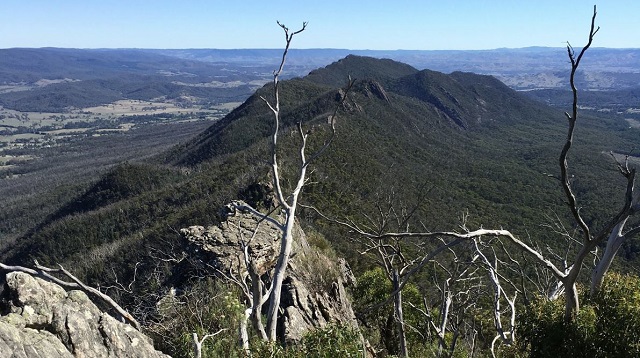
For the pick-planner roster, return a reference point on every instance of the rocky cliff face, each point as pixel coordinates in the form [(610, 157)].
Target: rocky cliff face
[(41, 319), (313, 293)]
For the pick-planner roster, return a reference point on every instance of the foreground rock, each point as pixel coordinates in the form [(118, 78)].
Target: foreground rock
[(313, 293), (41, 319)]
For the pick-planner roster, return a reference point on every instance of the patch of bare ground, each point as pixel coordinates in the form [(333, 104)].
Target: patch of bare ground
[(633, 123)]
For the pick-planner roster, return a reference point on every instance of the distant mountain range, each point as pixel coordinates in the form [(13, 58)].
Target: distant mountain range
[(521, 68), (108, 74)]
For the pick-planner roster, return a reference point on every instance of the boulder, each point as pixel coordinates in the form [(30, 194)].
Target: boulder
[(41, 319), (313, 292)]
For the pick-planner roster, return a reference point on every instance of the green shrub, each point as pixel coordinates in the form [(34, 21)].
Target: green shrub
[(328, 342), (607, 325), (207, 307), (374, 287)]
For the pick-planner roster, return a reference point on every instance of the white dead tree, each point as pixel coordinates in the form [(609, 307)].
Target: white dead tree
[(457, 288), (505, 333), (383, 239), (614, 232), (287, 202), (391, 252)]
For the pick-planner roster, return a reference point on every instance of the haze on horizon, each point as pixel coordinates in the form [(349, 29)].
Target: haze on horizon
[(356, 25)]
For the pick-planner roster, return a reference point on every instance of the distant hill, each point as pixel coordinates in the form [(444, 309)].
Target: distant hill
[(89, 77), (54, 79), (453, 144), (32, 64), (520, 68)]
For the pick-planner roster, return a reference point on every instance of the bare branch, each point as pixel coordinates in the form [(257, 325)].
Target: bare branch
[(244, 207), (564, 166), (46, 274)]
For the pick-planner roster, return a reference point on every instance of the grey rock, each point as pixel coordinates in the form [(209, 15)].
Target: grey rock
[(44, 320), (313, 293)]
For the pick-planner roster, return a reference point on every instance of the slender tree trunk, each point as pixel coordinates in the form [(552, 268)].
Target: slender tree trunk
[(244, 335), (257, 302), (279, 274), (614, 242), (402, 335), (197, 346), (444, 317), (454, 340), (572, 302)]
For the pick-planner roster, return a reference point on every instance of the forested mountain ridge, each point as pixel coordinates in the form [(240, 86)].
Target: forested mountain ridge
[(468, 136), (459, 99), (457, 144)]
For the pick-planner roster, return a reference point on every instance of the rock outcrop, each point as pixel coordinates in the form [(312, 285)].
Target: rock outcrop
[(41, 319), (313, 293)]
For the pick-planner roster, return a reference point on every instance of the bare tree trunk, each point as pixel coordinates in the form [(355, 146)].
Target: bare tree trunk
[(257, 301), (588, 241), (279, 274), (571, 298), (402, 334), (614, 242), (197, 343), (197, 346), (454, 340), (243, 334), (444, 317)]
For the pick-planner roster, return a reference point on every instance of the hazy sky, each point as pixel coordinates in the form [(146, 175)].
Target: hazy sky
[(372, 24)]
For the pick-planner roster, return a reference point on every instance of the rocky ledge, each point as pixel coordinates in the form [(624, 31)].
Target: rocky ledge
[(41, 319), (313, 292)]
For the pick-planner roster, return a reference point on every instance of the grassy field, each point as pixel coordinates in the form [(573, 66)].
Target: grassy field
[(24, 135), (633, 123), (33, 129), (136, 107)]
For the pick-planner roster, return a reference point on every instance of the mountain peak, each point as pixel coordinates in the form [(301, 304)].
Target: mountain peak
[(360, 68), (385, 91)]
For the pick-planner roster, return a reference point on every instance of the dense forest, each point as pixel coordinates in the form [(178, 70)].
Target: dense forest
[(415, 190)]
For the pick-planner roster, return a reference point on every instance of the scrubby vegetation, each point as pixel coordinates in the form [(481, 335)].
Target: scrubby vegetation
[(439, 145), (494, 170), (607, 325)]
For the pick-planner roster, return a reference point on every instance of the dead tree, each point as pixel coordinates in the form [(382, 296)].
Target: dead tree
[(288, 202), (613, 233), (401, 257), (504, 333), (457, 287)]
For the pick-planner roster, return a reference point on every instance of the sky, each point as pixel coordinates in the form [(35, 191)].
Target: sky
[(345, 24)]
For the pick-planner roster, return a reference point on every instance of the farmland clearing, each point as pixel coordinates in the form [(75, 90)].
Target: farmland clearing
[(38, 129)]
